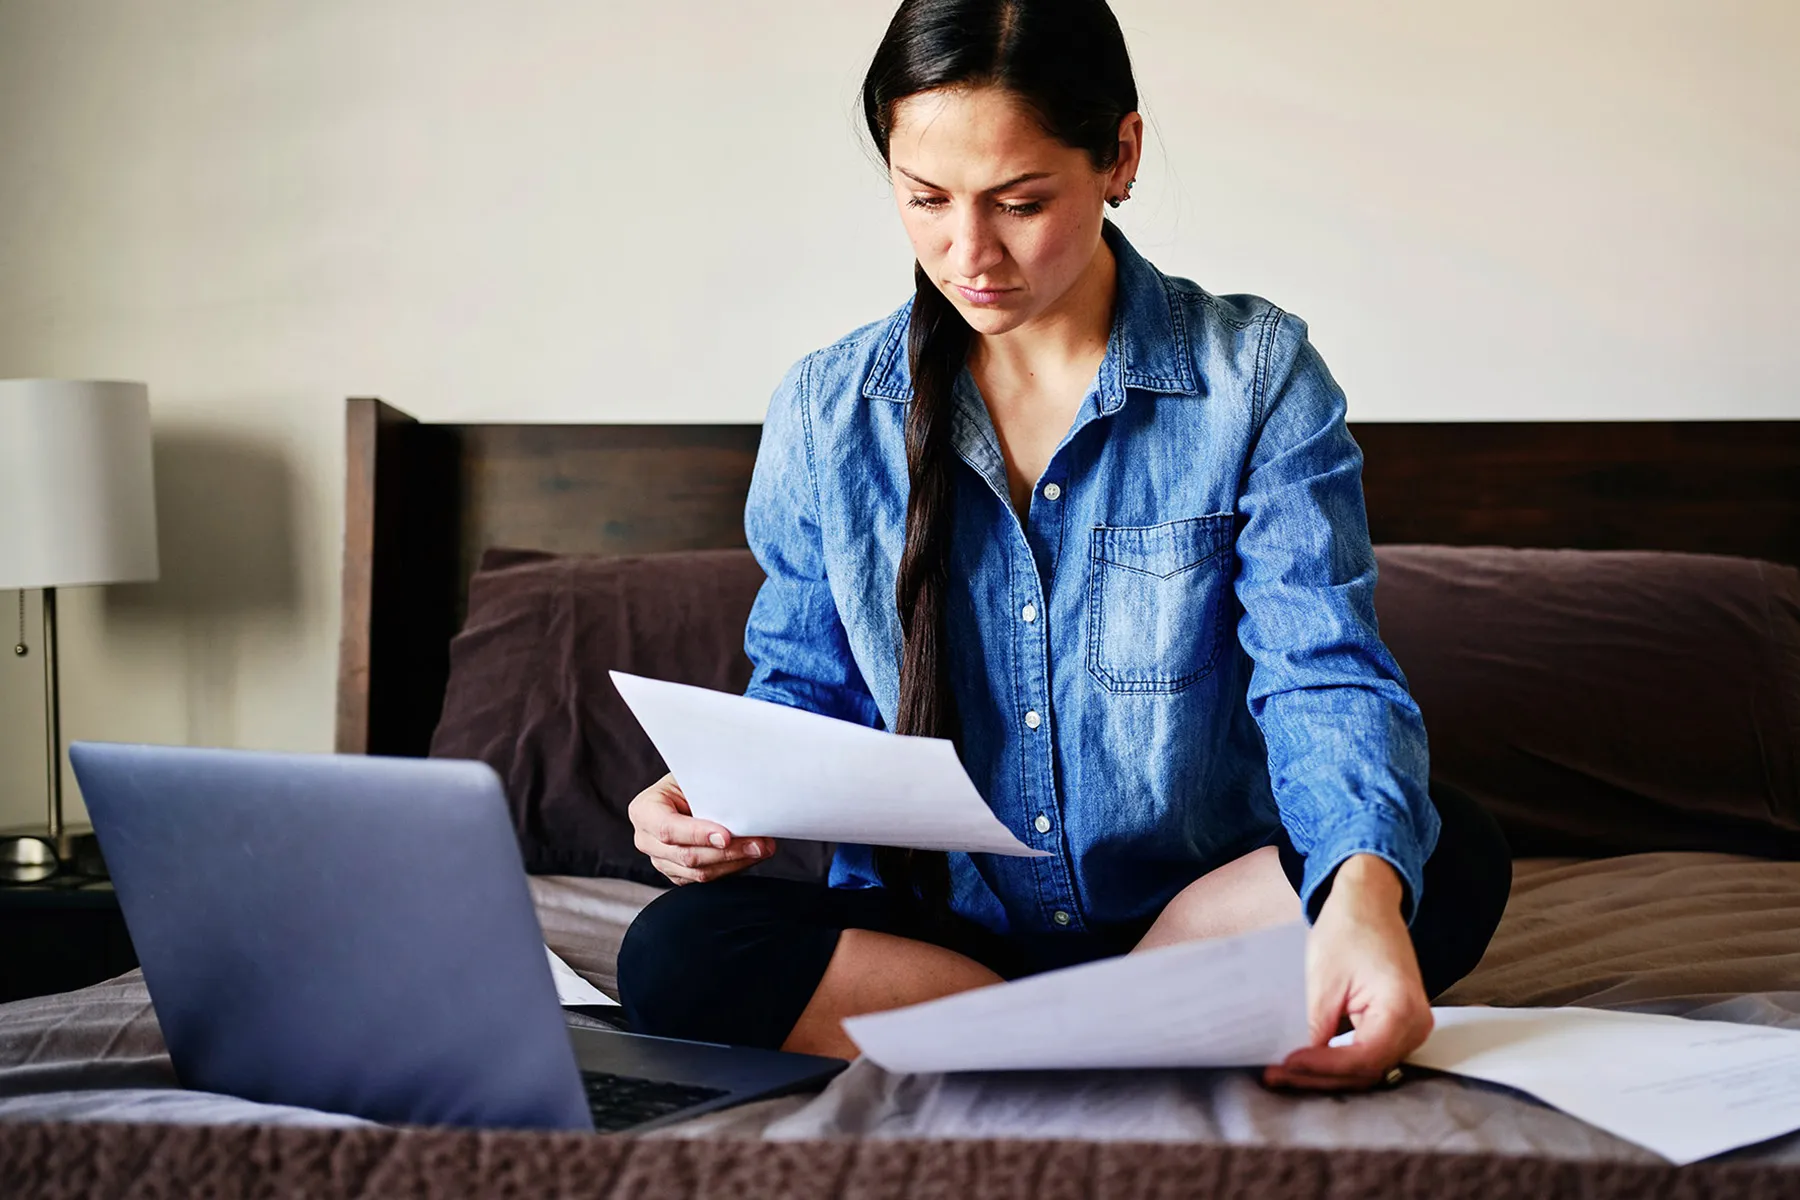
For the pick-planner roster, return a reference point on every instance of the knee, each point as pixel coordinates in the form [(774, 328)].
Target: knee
[(1480, 852), (660, 962), (1468, 882)]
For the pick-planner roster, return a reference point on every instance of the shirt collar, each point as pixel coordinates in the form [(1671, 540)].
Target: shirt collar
[(1149, 349)]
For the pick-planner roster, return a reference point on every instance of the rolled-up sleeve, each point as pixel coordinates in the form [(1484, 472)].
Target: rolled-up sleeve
[(1348, 759), (795, 637)]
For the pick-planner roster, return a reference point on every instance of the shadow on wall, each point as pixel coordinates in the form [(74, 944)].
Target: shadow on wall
[(226, 539)]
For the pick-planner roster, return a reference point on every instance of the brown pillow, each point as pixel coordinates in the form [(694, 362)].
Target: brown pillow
[(529, 692), (1606, 702)]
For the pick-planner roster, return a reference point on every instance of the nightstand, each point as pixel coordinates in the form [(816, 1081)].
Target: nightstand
[(61, 934)]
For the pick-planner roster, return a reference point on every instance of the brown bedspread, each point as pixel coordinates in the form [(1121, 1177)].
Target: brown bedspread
[(1656, 932), (47, 1162), (1711, 935)]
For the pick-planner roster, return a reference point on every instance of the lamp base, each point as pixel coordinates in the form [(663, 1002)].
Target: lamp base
[(30, 855)]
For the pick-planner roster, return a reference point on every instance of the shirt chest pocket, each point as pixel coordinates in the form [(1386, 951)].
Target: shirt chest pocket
[(1156, 602)]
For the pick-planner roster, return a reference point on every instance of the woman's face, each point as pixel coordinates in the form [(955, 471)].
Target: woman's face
[(1003, 217)]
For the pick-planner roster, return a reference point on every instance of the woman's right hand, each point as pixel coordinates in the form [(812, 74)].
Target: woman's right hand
[(683, 847)]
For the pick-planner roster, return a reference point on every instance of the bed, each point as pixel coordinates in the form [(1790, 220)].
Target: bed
[(1702, 918)]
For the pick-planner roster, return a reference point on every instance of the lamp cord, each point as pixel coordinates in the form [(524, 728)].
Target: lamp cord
[(19, 647)]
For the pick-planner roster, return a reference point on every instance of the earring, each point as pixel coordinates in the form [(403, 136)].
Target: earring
[(1115, 201)]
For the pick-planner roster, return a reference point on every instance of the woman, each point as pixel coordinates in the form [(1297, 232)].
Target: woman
[(1106, 532)]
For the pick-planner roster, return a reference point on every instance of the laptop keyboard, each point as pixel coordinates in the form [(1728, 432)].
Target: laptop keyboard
[(621, 1101)]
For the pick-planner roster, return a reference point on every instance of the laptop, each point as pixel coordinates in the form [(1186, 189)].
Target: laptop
[(356, 934)]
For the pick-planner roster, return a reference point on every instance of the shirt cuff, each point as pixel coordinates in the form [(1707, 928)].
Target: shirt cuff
[(1389, 838)]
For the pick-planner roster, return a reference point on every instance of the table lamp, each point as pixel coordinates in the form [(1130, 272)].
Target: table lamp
[(77, 507)]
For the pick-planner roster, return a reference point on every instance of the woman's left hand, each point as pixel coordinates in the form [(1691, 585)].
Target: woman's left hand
[(1359, 964)]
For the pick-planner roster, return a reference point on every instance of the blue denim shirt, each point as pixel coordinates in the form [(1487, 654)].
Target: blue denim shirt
[(1175, 651)]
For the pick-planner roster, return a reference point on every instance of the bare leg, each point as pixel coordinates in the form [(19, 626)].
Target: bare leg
[(1246, 893), (870, 972)]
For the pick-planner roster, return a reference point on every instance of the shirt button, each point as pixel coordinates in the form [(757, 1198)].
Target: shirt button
[(1042, 824), (1029, 613), (1052, 492), (1060, 917), (1032, 720)]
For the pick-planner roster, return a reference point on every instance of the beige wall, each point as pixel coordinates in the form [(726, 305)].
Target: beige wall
[(548, 210)]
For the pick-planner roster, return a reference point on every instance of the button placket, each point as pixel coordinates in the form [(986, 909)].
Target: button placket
[(1044, 534)]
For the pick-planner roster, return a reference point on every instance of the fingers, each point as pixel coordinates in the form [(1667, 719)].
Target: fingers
[(1283, 1076), (671, 791), (734, 858), (674, 829), (697, 864), (1380, 1042), (1329, 1068), (736, 849), (1324, 1073), (684, 847), (1387, 1035)]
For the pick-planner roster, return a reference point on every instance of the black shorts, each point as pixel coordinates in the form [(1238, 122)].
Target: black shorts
[(737, 960)]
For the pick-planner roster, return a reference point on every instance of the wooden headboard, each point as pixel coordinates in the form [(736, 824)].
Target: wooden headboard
[(423, 501)]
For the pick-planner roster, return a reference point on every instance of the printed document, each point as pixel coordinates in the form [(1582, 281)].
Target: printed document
[(1224, 1002), (572, 991), (1684, 1089), (768, 770)]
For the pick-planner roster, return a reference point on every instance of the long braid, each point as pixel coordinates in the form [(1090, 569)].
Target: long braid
[(938, 345)]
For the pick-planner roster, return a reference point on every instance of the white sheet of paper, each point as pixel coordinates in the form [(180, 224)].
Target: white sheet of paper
[(571, 989), (768, 770), (1225, 1002), (1684, 1089)]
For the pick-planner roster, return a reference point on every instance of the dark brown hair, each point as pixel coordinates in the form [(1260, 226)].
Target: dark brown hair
[(1066, 61)]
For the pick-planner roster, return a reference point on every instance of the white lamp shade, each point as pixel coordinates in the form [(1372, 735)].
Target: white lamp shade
[(77, 496)]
